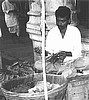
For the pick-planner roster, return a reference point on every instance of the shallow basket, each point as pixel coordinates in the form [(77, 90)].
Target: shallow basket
[(55, 94)]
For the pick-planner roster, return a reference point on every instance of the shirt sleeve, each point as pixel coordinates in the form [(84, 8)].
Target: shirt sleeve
[(77, 44)]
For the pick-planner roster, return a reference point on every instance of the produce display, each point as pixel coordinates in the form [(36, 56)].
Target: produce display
[(18, 69), (39, 87), (81, 62), (32, 88)]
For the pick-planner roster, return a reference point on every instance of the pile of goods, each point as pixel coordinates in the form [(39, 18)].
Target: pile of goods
[(55, 64), (70, 68), (81, 65), (33, 89), (39, 87), (18, 69), (38, 50), (24, 85), (81, 62), (56, 57)]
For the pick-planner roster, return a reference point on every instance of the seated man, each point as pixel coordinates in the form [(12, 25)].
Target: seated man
[(64, 37), (64, 40)]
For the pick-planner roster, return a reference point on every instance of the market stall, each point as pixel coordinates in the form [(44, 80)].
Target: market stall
[(70, 82), (68, 68)]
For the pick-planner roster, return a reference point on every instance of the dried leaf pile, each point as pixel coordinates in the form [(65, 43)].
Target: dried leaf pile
[(18, 69)]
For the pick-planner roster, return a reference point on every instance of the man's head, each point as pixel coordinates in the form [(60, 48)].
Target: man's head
[(62, 17)]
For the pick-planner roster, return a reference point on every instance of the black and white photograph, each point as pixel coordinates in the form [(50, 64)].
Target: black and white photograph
[(44, 49)]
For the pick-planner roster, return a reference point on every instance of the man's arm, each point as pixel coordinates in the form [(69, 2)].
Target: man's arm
[(66, 53), (77, 47)]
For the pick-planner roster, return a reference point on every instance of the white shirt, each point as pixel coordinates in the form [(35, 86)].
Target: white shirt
[(71, 41)]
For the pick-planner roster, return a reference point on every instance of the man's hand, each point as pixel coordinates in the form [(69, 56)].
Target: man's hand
[(58, 57), (61, 56)]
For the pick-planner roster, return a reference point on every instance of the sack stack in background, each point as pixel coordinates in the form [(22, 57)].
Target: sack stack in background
[(33, 26)]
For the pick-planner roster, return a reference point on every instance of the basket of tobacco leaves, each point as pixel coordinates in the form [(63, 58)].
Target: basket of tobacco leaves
[(32, 87)]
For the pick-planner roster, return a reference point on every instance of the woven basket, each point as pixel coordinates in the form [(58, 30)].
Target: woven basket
[(78, 88), (55, 94)]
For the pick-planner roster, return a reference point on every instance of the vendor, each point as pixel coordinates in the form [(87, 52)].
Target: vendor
[(63, 42), (64, 38)]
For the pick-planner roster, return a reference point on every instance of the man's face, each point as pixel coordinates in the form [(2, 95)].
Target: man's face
[(62, 22)]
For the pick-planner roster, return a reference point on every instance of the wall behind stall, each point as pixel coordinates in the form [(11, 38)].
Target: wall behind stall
[(83, 12)]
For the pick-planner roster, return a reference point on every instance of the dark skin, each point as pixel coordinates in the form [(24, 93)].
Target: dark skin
[(62, 25)]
